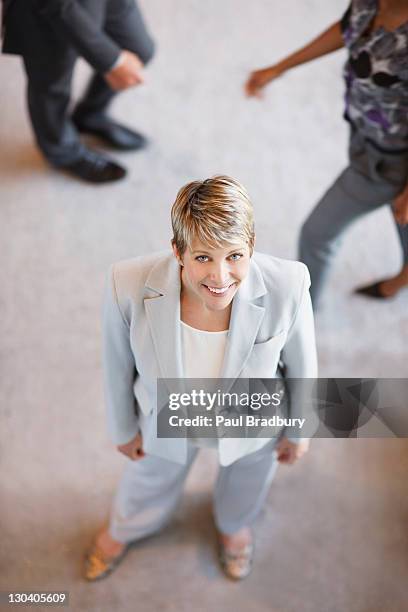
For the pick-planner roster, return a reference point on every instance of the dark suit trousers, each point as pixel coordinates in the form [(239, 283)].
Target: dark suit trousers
[(49, 83)]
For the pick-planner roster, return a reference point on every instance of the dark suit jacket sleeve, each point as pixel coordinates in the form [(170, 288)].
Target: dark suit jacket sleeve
[(70, 19), (119, 368)]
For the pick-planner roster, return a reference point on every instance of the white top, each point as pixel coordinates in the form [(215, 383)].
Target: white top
[(203, 352), (203, 356)]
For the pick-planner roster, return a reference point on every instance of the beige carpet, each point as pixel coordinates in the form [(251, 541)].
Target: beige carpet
[(333, 537)]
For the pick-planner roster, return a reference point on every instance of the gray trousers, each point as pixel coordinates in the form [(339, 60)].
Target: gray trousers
[(151, 487), (371, 180), (49, 83)]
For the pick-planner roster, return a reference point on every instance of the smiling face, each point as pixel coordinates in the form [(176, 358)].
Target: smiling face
[(210, 277)]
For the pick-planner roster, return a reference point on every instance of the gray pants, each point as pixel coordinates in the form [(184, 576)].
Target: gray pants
[(371, 180), (150, 489), (49, 83)]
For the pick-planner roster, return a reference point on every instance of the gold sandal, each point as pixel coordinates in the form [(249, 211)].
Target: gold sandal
[(236, 564), (98, 565)]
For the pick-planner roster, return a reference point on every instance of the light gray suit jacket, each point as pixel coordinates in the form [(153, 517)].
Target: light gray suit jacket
[(271, 320)]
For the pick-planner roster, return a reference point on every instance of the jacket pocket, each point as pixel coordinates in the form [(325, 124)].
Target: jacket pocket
[(264, 358)]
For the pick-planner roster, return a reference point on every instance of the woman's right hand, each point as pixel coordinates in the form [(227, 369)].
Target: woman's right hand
[(133, 449), (259, 78)]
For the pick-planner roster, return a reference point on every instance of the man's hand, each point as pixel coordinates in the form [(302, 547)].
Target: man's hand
[(258, 79), (289, 452), (128, 72), (133, 449), (400, 207)]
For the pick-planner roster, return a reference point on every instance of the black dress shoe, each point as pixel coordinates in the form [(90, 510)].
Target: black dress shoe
[(95, 168), (111, 133), (373, 291)]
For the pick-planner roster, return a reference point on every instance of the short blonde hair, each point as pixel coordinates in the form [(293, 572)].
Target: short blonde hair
[(215, 211)]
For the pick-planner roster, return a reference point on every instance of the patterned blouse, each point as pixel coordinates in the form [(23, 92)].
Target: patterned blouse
[(376, 76)]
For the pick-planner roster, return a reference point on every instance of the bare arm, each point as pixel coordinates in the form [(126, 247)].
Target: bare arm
[(330, 40)]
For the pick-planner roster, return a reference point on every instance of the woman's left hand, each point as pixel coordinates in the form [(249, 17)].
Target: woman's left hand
[(289, 452), (401, 207), (259, 78)]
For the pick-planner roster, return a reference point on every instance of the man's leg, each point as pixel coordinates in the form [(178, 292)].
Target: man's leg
[(48, 95), (125, 24)]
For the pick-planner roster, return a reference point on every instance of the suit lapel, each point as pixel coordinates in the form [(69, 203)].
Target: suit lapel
[(246, 318), (163, 314)]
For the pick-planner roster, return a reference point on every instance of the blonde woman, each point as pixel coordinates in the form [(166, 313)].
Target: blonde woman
[(212, 308)]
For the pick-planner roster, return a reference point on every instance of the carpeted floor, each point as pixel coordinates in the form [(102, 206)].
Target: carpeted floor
[(333, 537)]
